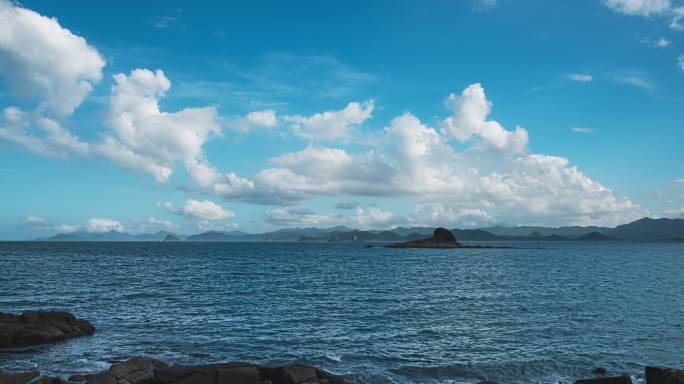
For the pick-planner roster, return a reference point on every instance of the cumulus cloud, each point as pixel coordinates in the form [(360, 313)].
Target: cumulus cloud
[(31, 220), (332, 125), (470, 110), (649, 8), (580, 77), (255, 120), (46, 64), (102, 225), (676, 213), (494, 173), (441, 214), (364, 218), (41, 60), (38, 224), (639, 7), (148, 140), (152, 224), (416, 161), (205, 225), (205, 209)]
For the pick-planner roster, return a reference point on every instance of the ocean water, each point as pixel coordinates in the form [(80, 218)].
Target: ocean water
[(540, 313)]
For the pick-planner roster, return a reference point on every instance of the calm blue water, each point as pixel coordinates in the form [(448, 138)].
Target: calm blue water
[(542, 313)]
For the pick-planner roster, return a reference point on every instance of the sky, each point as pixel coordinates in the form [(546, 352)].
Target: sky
[(259, 115)]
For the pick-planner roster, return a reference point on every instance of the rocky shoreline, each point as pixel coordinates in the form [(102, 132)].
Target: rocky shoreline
[(145, 370), (33, 328)]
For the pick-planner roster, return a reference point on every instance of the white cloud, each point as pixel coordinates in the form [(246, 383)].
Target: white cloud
[(470, 111), (680, 61), (65, 228), (414, 160), (660, 43), (648, 8), (101, 225), (39, 224), (46, 64), (583, 130), (255, 120), (451, 215), (494, 173), (148, 140), (205, 210), (580, 77), (42, 60), (677, 15), (639, 7), (32, 220), (204, 225), (152, 224), (331, 125), (363, 218), (484, 5), (676, 213)]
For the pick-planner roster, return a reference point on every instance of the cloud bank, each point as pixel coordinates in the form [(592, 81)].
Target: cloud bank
[(468, 168)]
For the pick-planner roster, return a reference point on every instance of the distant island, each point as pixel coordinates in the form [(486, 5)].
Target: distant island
[(441, 238), (171, 237), (645, 229)]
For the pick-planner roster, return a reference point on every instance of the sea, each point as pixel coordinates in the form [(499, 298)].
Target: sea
[(541, 312)]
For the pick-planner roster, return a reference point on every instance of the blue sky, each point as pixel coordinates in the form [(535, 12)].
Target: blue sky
[(260, 115)]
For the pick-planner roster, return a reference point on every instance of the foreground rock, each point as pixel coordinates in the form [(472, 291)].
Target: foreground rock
[(33, 328), (441, 238), (241, 373), (661, 375), (145, 370)]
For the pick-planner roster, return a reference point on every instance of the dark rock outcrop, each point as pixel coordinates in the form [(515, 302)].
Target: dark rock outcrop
[(145, 370), (661, 375), (441, 238), (607, 380), (30, 377), (33, 328), (19, 378), (241, 373), (134, 370)]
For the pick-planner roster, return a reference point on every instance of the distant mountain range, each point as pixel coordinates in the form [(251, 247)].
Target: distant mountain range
[(645, 229)]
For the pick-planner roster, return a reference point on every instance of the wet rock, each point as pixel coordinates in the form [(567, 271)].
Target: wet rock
[(33, 328), (600, 371), (607, 380), (32, 377), (240, 373), (77, 378), (209, 374), (662, 375), (18, 378), (136, 370)]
